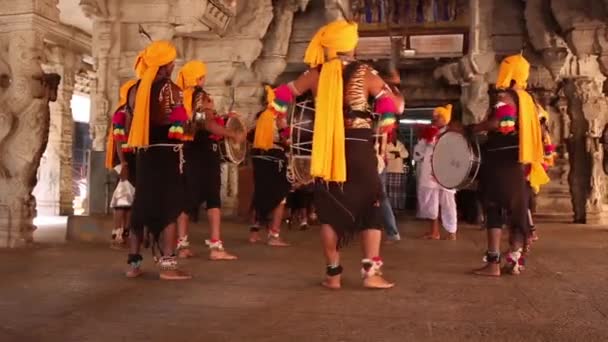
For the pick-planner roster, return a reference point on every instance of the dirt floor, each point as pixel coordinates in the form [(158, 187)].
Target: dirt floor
[(77, 292)]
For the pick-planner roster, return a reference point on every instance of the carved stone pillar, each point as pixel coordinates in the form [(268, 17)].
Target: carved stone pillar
[(24, 113), (54, 191), (588, 111), (553, 203)]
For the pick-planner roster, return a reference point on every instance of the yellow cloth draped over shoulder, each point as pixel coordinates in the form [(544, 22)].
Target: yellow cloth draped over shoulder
[(531, 150), (187, 80), (264, 127), (154, 56), (445, 112), (122, 101), (328, 159)]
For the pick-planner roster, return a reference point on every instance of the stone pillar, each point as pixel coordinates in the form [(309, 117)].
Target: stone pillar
[(587, 109), (54, 191), (553, 203), (24, 112)]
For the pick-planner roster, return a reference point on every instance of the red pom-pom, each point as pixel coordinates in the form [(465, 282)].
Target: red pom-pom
[(430, 133), (119, 118)]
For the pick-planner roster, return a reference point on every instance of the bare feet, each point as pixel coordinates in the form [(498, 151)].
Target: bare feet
[(217, 255), (332, 283), (451, 237), (431, 236), (277, 242), (185, 253), (133, 272), (377, 282), (254, 237), (489, 270), (174, 274)]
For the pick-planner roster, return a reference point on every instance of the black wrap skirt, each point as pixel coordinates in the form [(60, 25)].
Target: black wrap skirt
[(270, 182), (160, 195), (203, 176), (353, 206), (505, 194)]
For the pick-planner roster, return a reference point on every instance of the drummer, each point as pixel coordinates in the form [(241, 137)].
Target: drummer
[(271, 186), (432, 197), (343, 162), (514, 142), (202, 167)]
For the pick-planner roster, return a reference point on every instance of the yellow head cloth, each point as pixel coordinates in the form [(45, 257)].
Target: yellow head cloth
[(122, 100), (187, 79), (264, 127), (328, 159), (154, 56), (445, 112), (513, 68)]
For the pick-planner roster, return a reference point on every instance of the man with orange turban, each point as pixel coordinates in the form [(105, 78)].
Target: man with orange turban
[(202, 168), (432, 197), (343, 161), (514, 143), (269, 159), (122, 160), (156, 131)]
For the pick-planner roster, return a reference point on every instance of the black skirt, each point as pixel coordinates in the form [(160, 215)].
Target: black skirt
[(301, 198), (203, 176), (160, 195), (505, 193), (353, 206), (270, 182)]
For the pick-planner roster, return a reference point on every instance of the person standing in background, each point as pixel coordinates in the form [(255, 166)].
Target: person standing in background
[(395, 172)]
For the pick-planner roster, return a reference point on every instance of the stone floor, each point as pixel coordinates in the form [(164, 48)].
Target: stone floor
[(76, 292)]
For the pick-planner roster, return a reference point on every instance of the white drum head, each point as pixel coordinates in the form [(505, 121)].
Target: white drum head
[(451, 160)]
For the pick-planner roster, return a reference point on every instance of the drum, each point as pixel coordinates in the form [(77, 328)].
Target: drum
[(455, 161), (230, 151), (301, 124)]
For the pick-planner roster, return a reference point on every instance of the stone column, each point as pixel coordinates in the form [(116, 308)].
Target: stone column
[(587, 109), (54, 192), (24, 112)]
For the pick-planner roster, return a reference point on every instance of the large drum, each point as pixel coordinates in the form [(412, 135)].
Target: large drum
[(301, 124), (230, 151), (455, 161)]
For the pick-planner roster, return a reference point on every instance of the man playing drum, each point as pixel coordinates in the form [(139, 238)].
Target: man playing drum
[(202, 168), (271, 186), (343, 161), (432, 197), (514, 142)]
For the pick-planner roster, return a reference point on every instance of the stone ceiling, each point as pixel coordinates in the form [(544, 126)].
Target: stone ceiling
[(71, 14)]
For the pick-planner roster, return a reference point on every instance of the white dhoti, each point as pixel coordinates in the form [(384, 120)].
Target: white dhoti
[(433, 200)]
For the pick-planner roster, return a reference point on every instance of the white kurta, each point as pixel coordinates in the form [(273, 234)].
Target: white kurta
[(431, 195)]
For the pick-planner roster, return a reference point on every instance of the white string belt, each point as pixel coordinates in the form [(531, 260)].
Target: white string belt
[(179, 148)]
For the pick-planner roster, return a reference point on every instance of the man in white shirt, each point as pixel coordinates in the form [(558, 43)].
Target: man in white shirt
[(431, 196), (395, 173)]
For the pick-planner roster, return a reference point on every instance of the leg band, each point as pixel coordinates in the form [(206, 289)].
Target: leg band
[(135, 260), (492, 257), (334, 270)]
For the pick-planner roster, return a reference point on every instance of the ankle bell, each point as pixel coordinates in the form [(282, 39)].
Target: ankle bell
[(334, 270), (215, 245)]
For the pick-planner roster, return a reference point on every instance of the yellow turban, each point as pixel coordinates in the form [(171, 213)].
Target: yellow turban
[(187, 79), (154, 56), (445, 112), (264, 127), (531, 150), (513, 68), (110, 148), (328, 158)]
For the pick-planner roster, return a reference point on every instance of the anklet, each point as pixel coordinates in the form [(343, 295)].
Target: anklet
[(334, 270)]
